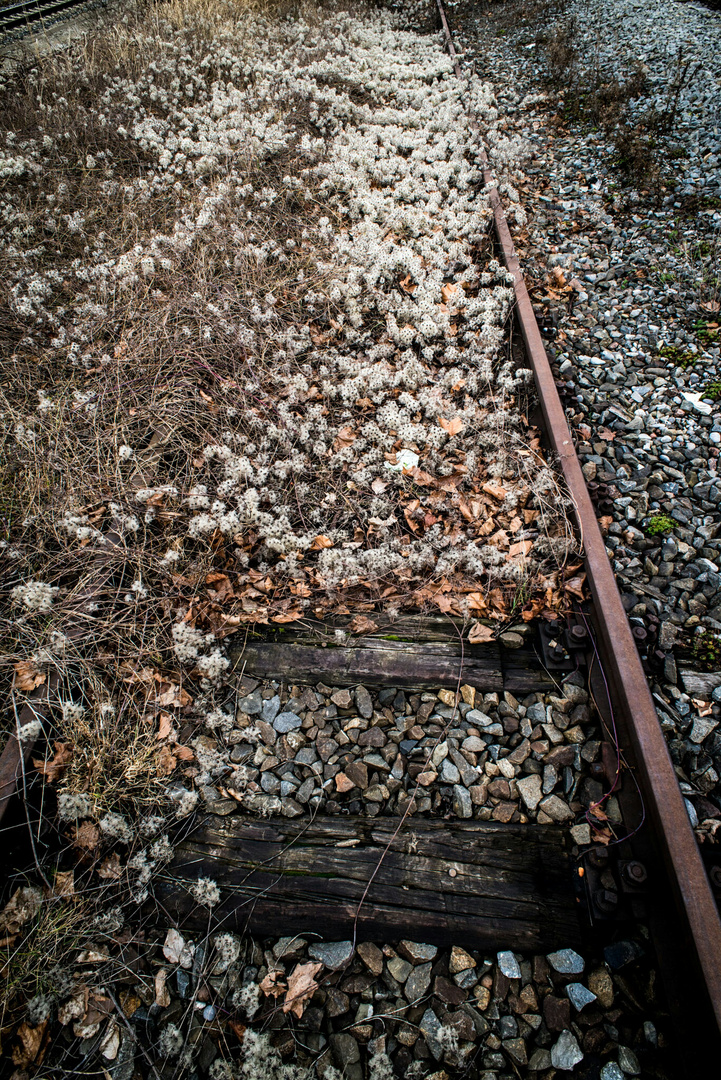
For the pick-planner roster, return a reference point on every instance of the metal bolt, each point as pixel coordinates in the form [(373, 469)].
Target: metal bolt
[(598, 856), (715, 875), (640, 634), (635, 872), (606, 900), (578, 632)]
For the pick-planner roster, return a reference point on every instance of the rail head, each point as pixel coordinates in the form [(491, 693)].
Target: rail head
[(674, 834)]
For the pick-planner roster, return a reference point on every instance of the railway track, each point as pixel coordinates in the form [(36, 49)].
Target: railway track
[(513, 886), (25, 16)]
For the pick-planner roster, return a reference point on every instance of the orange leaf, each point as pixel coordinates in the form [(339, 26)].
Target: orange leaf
[(53, 769), (479, 634), (27, 676), (30, 1044), (448, 291), (301, 987), (273, 985), (321, 542), (166, 761), (165, 726), (287, 616), (110, 868), (345, 437), (184, 753), (451, 426), (86, 835), (361, 624), (523, 547), (495, 490)]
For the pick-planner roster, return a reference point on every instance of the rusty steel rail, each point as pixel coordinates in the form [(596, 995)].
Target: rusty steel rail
[(674, 835)]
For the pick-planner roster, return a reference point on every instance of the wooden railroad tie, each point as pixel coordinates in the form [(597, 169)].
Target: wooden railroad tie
[(412, 652), (484, 884)]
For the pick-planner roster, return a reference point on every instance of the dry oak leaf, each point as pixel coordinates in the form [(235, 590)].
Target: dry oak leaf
[(321, 542), (301, 987), (53, 769), (110, 868), (162, 996), (523, 547), (27, 676), (495, 490), (177, 950), (453, 427), (166, 761), (287, 616), (64, 884), (378, 486), (30, 1046), (346, 437), (22, 905), (273, 985), (172, 696), (478, 634), (165, 725), (361, 624), (86, 835)]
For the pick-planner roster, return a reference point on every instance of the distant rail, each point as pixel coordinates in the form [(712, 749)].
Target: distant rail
[(26, 16)]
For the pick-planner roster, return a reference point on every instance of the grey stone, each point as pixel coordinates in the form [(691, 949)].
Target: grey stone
[(449, 774), (252, 704), (628, 1061), (417, 952), (287, 721), (399, 968), (270, 709), (333, 954), (418, 982), (556, 808), (516, 1050), (345, 1049), (477, 718), (462, 804), (579, 996), (611, 1071), (509, 965), (540, 1061), (566, 1053), (430, 1026), (566, 962), (529, 788), (363, 702)]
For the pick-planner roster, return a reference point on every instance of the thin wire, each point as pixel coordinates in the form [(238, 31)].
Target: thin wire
[(617, 747)]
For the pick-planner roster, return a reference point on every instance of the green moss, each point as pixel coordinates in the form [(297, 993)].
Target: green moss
[(681, 357), (659, 524)]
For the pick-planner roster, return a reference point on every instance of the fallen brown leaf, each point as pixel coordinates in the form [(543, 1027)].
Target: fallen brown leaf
[(287, 616), (29, 1048), (453, 427), (110, 868), (22, 906), (495, 490), (53, 769), (301, 987), (361, 624), (479, 634), (27, 676), (321, 542), (162, 996), (273, 985), (86, 835), (166, 761), (64, 884)]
